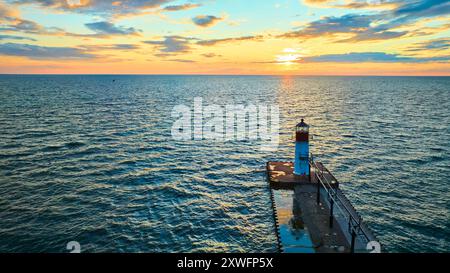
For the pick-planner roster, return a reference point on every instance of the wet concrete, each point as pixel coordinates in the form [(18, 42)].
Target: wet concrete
[(317, 219), (303, 225), (293, 234)]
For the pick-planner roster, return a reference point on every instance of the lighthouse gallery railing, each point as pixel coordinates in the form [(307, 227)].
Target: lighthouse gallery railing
[(326, 181)]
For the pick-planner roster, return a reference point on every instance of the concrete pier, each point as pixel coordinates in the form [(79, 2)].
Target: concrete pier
[(311, 213)]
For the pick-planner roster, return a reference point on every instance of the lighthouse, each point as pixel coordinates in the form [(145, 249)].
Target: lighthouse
[(301, 161)]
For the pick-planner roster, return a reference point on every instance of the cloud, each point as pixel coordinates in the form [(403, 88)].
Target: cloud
[(110, 47), (7, 13), (372, 57), (30, 27), (181, 7), (360, 27), (181, 61), (100, 7), (434, 45), (102, 29), (107, 28), (14, 37), (206, 20), (355, 4), (424, 6), (172, 45), (211, 55), (43, 52), (412, 11), (10, 21), (317, 1), (124, 46), (349, 23), (229, 40), (373, 35), (382, 25)]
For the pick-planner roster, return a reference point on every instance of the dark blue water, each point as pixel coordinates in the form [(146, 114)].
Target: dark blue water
[(90, 159)]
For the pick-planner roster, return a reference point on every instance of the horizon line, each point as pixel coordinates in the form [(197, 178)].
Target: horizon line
[(187, 74)]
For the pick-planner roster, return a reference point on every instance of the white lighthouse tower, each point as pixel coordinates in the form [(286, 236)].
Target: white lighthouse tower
[(301, 161)]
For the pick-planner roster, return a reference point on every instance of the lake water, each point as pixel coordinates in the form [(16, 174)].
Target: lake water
[(92, 159)]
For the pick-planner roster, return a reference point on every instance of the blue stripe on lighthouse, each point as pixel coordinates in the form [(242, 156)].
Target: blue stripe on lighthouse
[(301, 164)]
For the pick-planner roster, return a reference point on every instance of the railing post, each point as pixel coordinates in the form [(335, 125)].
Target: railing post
[(309, 172), (352, 245), (318, 191), (349, 223), (309, 168), (331, 210)]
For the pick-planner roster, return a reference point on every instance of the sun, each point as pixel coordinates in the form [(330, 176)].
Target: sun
[(289, 56)]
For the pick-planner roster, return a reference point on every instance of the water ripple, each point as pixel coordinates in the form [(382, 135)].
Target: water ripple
[(88, 159)]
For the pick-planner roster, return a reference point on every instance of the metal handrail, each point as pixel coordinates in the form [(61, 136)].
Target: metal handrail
[(338, 199)]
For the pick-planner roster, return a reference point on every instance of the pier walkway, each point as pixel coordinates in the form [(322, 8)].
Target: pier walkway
[(312, 214)]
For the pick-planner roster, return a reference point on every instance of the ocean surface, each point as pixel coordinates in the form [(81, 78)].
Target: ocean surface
[(91, 159)]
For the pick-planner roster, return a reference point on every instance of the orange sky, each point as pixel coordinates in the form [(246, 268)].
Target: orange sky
[(335, 37)]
